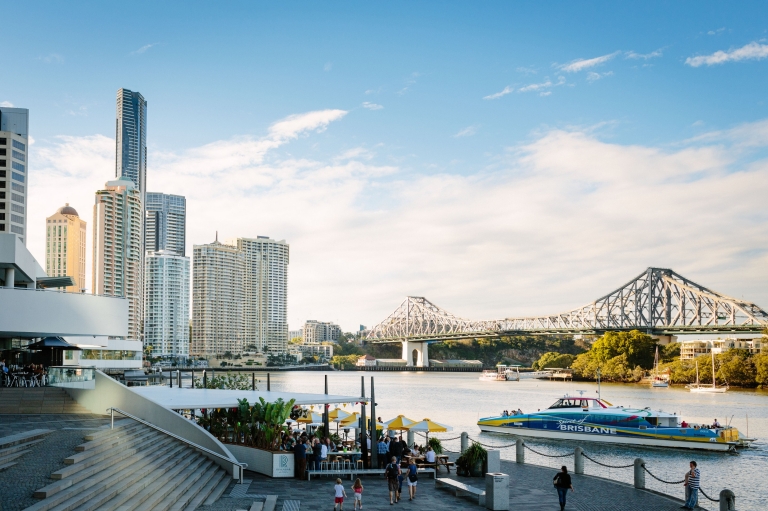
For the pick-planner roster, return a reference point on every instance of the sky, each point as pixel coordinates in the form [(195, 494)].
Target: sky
[(502, 159)]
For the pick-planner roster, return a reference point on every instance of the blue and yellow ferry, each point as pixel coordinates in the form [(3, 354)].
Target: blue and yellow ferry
[(596, 420)]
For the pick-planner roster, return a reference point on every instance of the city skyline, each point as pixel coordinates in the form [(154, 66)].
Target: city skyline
[(522, 177)]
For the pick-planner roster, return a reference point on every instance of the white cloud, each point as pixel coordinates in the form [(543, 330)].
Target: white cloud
[(466, 132), (716, 32), (751, 51), (500, 242), (582, 64), (53, 58), (328, 66), (6, 104), (644, 56), (526, 70), (143, 49), (497, 95), (371, 106), (592, 76)]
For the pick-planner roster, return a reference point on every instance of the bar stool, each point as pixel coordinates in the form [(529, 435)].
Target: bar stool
[(335, 465), (324, 464), (359, 464)]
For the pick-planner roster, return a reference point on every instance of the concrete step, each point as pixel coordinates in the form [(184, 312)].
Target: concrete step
[(128, 440), (11, 457), (256, 506), (183, 483), (38, 400), (203, 484), (82, 473), (120, 424), (217, 491), (66, 488), (19, 447), (206, 490), (270, 503), (23, 438), (162, 486), (149, 440), (99, 484), (106, 439), (7, 465), (128, 492), (109, 498)]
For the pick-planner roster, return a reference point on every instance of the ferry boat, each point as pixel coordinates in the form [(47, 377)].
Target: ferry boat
[(596, 420), (501, 373)]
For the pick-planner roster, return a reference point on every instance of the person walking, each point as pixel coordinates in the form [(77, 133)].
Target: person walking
[(562, 483), (382, 449), (340, 494), (300, 456), (692, 480), (413, 479), (357, 488), (392, 472)]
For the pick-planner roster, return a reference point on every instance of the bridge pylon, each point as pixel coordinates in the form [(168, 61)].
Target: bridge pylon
[(418, 351)]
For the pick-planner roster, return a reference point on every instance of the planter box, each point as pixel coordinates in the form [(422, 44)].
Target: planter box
[(269, 463)]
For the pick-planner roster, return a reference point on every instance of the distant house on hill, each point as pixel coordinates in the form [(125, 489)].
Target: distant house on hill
[(366, 361)]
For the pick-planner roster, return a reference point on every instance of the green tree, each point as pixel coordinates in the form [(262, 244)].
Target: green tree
[(761, 368), (620, 356), (670, 352), (229, 382), (736, 367), (554, 359)]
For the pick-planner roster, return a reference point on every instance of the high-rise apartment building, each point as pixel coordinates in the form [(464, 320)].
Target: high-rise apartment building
[(166, 223), (265, 297), (217, 299), (315, 332), (166, 303), (14, 170), (239, 292), (131, 136), (65, 246), (118, 220)]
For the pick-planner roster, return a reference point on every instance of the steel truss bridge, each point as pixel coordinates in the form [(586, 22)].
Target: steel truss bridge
[(658, 301)]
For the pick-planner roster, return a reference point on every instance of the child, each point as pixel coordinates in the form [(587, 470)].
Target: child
[(340, 494), (358, 489)]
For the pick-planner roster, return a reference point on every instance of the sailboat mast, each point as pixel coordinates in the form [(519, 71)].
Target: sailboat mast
[(713, 369)]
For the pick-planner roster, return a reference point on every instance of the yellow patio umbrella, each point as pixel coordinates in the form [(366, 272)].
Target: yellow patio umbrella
[(312, 419), (399, 423), (350, 421), (428, 426), (338, 415)]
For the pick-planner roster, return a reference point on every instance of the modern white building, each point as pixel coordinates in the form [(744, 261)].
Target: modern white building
[(166, 223), (319, 350), (118, 219), (690, 349), (293, 334), (315, 332), (65, 247), (265, 292), (14, 170), (217, 300), (131, 139), (166, 303)]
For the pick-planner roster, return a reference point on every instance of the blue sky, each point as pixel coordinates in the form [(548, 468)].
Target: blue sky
[(501, 158)]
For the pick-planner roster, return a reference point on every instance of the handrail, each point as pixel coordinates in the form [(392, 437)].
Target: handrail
[(112, 411)]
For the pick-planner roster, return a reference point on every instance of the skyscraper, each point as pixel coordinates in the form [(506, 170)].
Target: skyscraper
[(65, 246), (265, 296), (166, 303), (118, 221), (14, 167), (131, 135), (217, 299), (166, 223)]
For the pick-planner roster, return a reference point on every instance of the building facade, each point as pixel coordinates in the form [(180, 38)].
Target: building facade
[(315, 332), (131, 137), (166, 303), (166, 223), (118, 219), (14, 170), (65, 247), (217, 299), (691, 349), (265, 293)]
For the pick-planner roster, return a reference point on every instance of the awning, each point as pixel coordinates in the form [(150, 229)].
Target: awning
[(52, 343), (54, 282), (187, 399)]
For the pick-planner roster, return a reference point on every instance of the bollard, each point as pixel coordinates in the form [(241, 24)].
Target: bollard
[(493, 461), (192, 384), (639, 474), (170, 377), (269, 384), (727, 501), (205, 379), (253, 381), (464, 441), (178, 375), (519, 451), (578, 460)]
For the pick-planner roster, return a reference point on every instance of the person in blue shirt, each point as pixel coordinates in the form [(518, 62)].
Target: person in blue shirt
[(692, 480), (382, 449)]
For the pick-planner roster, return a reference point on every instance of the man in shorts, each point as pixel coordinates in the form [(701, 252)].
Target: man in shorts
[(392, 473)]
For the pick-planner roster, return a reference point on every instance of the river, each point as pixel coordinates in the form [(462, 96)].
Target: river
[(459, 399)]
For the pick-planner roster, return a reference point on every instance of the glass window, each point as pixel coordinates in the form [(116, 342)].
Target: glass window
[(17, 166), (19, 145), (18, 219), (2, 216), (2, 151), (2, 205), (2, 163), (69, 355), (17, 208), (17, 198), (2, 227), (17, 177), (3, 141), (17, 229), (19, 156), (17, 187)]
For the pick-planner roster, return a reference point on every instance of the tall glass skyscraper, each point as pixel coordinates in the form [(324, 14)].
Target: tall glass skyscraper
[(166, 223), (14, 170), (131, 135)]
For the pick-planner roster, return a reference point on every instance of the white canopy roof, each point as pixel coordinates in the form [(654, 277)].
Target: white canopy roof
[(182, 399)]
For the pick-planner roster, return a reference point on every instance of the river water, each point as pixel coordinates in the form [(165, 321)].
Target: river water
[(459, 399)]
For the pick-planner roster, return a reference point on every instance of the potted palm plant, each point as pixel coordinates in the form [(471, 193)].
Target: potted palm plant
[(472, 461)]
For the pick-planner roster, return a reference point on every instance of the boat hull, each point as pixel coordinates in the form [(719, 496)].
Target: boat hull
[(608, 439), (708, 390)]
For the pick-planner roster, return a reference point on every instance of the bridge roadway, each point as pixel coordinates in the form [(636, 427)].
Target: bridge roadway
[(658, 301)]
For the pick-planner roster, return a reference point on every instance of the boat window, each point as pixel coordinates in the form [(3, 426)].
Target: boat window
[(652, 420), (567, 403)]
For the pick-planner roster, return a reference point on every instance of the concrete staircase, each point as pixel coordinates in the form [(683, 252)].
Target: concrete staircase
[(36, 400), (15, 446), (132, 467)]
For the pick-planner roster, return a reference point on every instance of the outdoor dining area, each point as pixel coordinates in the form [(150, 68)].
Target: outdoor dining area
[(26, 367)]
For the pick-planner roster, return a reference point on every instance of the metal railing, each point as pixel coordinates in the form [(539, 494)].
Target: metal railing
[(242, 466)]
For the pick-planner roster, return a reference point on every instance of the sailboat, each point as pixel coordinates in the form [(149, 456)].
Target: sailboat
[(714, 389), (658, 381)]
